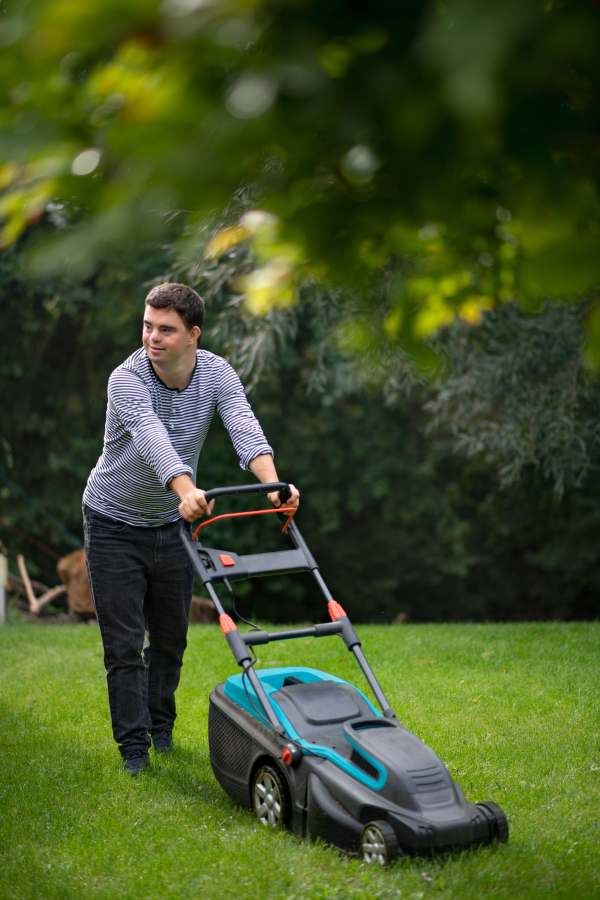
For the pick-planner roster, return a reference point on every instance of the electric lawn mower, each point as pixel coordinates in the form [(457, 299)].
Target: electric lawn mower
[(308, 749)]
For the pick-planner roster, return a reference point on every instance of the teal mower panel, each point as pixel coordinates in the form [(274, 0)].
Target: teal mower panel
[(240, 691)]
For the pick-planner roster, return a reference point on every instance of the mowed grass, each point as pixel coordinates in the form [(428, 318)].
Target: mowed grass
[(513, 710)]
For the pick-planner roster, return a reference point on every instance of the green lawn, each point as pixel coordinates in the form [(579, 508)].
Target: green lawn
[(513, 710)]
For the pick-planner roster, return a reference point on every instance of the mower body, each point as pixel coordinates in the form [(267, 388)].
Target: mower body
[(355, 767)]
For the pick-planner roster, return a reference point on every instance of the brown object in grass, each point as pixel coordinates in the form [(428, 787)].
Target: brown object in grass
[(36, 604), (401, 619), (16, 586), (73, 573)]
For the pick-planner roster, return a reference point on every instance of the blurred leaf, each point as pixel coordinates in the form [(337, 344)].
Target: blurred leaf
[(459, 135)]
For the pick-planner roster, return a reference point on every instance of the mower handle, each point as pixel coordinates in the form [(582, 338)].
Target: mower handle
[(281, 486), (239, 643)]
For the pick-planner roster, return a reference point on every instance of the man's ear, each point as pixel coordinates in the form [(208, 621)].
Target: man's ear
[(195, 333)]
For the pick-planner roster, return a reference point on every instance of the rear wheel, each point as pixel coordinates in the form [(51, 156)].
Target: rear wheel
[(379, 845), (270, 797), (500, 826)]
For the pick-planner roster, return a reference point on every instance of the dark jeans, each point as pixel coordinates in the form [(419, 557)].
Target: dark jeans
[(141, 581)]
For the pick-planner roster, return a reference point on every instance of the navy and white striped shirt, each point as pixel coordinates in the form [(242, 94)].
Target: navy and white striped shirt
[(154, 433)]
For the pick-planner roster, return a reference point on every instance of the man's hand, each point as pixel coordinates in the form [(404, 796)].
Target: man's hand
[(194, 506), (264, 468), (293, 501), (193, 501)]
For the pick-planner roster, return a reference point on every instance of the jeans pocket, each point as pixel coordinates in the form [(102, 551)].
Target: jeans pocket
[(103, 528), (97, 522)]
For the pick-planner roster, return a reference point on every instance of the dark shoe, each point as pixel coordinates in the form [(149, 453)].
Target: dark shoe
[(162, 741), (135, 761)]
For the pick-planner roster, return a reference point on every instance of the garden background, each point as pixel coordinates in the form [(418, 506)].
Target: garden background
[(393, 215), (413, 503), (392, 211)]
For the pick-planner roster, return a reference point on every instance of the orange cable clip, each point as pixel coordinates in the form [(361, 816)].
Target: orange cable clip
[(227, 624), (335, 610)]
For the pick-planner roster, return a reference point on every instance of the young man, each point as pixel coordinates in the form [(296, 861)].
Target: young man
[(160, 404)]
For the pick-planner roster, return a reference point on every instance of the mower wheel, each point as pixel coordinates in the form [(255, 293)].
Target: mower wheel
[(500, 821), (270, 797), (378, 844)]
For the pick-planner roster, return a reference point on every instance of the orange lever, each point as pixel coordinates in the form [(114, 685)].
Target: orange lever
[(292, 510)]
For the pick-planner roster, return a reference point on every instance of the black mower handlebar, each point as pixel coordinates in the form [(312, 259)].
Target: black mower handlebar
[(235, 490)]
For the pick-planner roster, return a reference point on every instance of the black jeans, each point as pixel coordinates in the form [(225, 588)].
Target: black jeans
[(141, 581)]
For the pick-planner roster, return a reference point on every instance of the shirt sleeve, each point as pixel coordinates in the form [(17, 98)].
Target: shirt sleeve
[(131, 400), (244, 429)]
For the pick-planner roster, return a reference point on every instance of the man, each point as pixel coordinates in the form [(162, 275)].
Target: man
[(160, 404)]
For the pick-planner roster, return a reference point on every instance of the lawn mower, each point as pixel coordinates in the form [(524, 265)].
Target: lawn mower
[(307, 749)]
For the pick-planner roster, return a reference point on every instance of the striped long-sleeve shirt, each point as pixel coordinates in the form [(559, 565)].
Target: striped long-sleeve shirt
[(154, 433)]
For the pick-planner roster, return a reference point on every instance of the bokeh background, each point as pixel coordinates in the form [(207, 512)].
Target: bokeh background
[(393, 214)]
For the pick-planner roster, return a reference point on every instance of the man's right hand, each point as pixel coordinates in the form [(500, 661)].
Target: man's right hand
[(193, 500), (194, 506)]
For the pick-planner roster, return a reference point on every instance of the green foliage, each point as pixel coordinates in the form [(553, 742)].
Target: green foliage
[(65, 339), (397, 519), (511, 709), (461, 134), (355, 460), (378, 522), (516, 398), (375, 513), (532, 556), (516, 392), (512, 394)]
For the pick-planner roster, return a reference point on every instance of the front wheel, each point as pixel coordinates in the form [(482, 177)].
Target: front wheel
[(379, 845), (500, 822), (270, 797)]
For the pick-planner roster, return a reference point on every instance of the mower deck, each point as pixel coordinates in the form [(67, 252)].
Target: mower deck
[(356, 767)]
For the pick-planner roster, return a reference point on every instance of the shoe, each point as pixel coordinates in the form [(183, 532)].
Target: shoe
[(135, 761), (162, 741)]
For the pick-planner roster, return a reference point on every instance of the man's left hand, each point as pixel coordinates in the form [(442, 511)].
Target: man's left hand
[(264, 468), (294, 499)]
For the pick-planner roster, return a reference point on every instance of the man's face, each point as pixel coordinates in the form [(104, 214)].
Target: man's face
[(165, 336)]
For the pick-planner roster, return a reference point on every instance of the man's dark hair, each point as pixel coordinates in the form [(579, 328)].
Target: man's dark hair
[(182, 299)]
